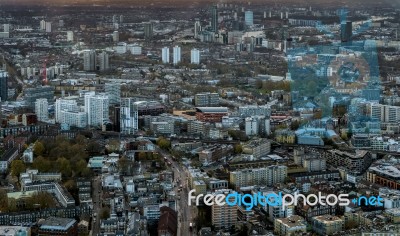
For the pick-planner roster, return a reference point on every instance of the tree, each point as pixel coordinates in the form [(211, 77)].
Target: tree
[(105, 213), (17, 167), (238, 149), (64, 167), (142, 156), (42, 164), (38, 148), (163, 143)]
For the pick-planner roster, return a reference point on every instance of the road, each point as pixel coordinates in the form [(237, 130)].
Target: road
[(186, 213), (96, 197)]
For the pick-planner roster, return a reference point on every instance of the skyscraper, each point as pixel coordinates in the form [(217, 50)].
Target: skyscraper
[(113, 91), (97, 109), (195, 56), (128, 116), (103, 61), (6, 28), (43, 25), (214, 19), (41, 109), (3, 85), (148, 30), (89, 60), (346, 28), (248, 18), (48, 27), (165, 55), (116, 36), (197, 28), (70, 36), (177, 55)]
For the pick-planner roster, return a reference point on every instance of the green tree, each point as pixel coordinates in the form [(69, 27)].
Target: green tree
[(163, 143), (38, 148), (3, 201), (238, 149), (142, 156), (17, 167), (64, 167), (104, 213), (42, 164)]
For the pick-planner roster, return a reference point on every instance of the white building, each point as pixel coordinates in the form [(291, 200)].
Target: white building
[(97, 108), (195, 56), (251, 126), (6, 28), (48, 27), (70, 36), (64, 105), (41, 109), (128, 116), (116, 36), (103, 61), (165, 55), (43, 25), (77, 119), (135, 49), (177, 55), (121, 48)]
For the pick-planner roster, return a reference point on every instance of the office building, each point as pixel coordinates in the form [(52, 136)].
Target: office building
[(261, 176), (31, 94), (346, 29), (165, 55), (3, 85), (292, 225), (128, 116), (177, 55), (6, 28), (97, 108), (327, 224), (70, 36), (58, 227), (206, 99), (89, 60), (115, 36), (103, 61), (384, 113), (113, 91), (248, 18), (224, 216), (48, 27), (41, 109), (195, 56), (148, 30), (214, 19)]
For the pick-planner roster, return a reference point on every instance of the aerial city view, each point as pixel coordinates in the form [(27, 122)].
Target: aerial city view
[(204, 117)]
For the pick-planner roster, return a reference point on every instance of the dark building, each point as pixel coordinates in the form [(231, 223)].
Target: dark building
[(211, 114), (214, 19), (148, 30), (346, 29), (31, 94), (3, 85), (168, 224), (58, 226)]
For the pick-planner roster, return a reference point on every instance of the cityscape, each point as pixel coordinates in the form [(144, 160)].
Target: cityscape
[(199, 118)]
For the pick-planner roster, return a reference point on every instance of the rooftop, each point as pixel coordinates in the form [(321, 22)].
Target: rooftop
[(56, 223)]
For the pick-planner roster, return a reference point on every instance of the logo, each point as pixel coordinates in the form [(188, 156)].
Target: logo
[(278, 199)]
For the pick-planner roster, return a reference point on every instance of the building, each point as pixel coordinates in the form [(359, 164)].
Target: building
[(6, 159), (290, 226), (70, 36), (224, 216), (113, 91), (115, 36), (148, 30), (177, 55), (42, 24), (197, 28), (32, 94), (214, 19), (3, 85), (135, 49), (97, 108), (384, 113), (257, 125), (168, 223), (128, 116), (48, 27), (195, 56), (385, 173), (58, 226), (15, 231), (165, 55), (357, 162), (63, 104), (248, 18), (74, 118), (206, 99), (6, 28), (258, 148), (103, 61), (211, 114), (327, 224), (42, 109), (346, 29), (89, 60), (248, 111), (261, 176)]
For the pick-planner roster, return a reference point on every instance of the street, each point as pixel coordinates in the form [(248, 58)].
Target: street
[(96, 197)]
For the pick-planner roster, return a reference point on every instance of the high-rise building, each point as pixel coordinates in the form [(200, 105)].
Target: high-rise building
[(3, 85), (128, 116), (248, 18), (42, 109), (165, 55), (177, 55), (197, 28), (121, 19), (43, 25), (31, 94), (114, 19), (70, 36), (48, 27), (113, 91), (225, 215), (346, 29), (195, 56), (148, 30), (384, 113), (89, 60), (214, 19), (6, 28), (116, 36), (97, 108), (62, 105), (103, 61)]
